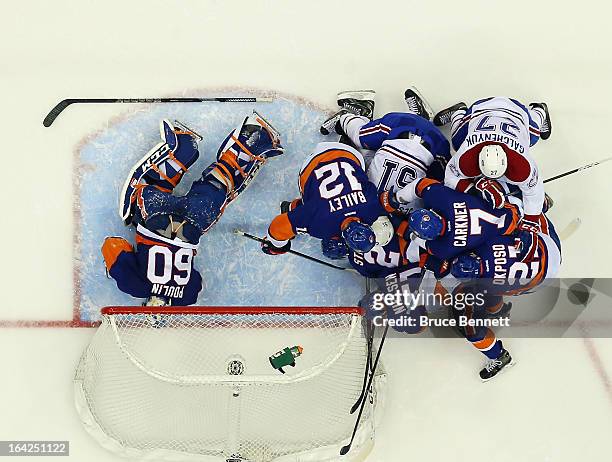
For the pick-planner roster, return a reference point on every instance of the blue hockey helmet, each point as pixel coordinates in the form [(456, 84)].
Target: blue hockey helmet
[(467, 266), (359, 237), (426, 224), (334, 248)]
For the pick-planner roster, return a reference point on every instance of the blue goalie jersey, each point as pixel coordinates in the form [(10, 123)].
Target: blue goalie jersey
[(158, 266)]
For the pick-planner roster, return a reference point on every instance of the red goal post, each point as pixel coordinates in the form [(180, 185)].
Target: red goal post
[(112, 310), (184, 382)]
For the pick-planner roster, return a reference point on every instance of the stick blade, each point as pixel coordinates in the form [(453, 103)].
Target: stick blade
[(56, 111), (570, 229), (345, 449)]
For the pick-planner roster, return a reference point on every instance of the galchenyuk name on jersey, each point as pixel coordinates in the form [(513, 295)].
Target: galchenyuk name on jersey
[(478, 138), (461, 223), (168, 291), (346, 200)]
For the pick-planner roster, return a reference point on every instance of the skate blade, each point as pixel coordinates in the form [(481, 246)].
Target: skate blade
[(274, 133), (185, 128), (510, 364), (360, 95)]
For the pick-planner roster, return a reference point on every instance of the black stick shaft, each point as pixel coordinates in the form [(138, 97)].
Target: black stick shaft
[(294, 252), (59, 107), (347, 448), (570, 172)]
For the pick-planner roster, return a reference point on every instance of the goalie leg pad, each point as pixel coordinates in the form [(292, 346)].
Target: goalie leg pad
[(194, 213), (243, 153), (163, 166)]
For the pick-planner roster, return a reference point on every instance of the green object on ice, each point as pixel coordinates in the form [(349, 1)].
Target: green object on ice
[(285, 357)]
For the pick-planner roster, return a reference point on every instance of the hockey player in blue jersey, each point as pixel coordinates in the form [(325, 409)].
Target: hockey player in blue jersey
[(337, 202), (453, 222), (168, 227), (497, 269)]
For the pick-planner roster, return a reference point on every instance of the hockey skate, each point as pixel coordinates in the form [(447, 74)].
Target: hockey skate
[(359, 102), (163, 166), (546, 128), (417, 104), (495, 366), (243, 153), (444, 116)]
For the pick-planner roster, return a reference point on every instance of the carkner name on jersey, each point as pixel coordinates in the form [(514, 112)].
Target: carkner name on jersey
[(468, 220)]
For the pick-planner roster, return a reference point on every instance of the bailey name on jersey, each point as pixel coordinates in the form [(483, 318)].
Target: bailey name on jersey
[(346, 200)]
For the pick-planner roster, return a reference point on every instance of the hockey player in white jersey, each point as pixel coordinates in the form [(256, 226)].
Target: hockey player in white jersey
[(407, 145), (492, 139)]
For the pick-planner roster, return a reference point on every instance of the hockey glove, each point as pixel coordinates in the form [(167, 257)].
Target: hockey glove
[(440, 268), (270, 249), (437, 169), (389, 202), (491, 191), (526, 241), (285, 206)]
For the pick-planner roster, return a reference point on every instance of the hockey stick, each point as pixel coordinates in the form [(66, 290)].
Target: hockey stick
[(584, 167), (59, 108), (295, 252), (369, 328), (570, 229), (347, 448), (569, 172)]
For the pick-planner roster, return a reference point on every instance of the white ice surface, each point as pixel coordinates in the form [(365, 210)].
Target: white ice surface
[(554, 405)]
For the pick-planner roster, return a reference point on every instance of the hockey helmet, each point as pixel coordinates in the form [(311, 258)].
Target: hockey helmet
[(492, 161), (383, 230), (359, 237), (334, 248), (467, 266), (426, 224)]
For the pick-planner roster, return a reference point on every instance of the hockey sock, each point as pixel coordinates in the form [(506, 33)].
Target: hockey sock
[(488, 345), (351, 125), (456, 119)]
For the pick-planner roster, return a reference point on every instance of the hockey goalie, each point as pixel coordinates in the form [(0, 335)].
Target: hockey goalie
[(159, 269)]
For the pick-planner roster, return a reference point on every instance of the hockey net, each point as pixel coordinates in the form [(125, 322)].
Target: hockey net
[(197, 384)]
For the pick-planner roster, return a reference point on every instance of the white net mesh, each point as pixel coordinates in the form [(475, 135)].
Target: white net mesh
[(161, 385)]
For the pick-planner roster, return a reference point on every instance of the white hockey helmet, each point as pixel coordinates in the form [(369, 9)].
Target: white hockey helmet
[(492, 161), (383, 230)]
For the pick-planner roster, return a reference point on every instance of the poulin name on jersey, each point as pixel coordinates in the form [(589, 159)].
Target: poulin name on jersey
[(167, 291), (461, 224), (346, 200)]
